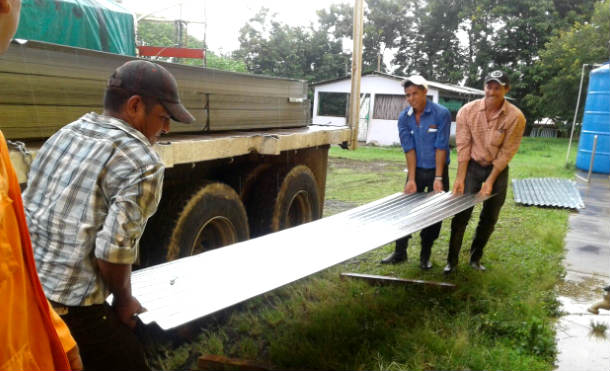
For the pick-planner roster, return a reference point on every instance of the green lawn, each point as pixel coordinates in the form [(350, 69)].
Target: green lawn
[(501, 319)]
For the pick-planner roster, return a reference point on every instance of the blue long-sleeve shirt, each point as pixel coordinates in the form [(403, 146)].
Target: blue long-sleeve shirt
[(431, 134)]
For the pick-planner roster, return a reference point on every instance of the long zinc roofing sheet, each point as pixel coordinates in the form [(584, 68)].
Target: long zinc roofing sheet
[(183, 290)]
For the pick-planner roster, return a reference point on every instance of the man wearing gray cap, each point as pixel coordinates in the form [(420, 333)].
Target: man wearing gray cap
[(91, 189), (488, 134), (423, 129)]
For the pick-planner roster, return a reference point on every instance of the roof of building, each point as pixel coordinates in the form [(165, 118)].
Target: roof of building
[(438, 85)]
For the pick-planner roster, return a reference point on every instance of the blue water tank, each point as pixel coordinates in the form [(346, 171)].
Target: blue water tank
[(596, 121)]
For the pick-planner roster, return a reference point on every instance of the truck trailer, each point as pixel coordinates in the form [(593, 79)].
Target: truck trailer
[(251, 163)]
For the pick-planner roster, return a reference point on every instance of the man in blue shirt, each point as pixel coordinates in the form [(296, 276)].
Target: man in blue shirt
[(424, 136)]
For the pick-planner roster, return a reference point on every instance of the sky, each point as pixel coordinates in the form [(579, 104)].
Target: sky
[(226, 17)]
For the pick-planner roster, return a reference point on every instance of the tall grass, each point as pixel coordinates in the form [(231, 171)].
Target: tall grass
[(496, 320)]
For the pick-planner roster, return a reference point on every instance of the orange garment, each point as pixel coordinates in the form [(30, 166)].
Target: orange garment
[(32, 335)]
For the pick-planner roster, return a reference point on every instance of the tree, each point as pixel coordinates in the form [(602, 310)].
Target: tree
[(166, 34), (509, 35), (477, 25), (571, 12), (430, 46), (558, 70), (524, 27), (385, 22), (273, 48), (456, 41), (223, 62)]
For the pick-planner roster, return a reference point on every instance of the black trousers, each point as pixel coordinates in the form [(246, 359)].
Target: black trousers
[(105, 343), (475, 177), (424, 180)]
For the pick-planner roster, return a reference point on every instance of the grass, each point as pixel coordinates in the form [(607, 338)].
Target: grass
[(499, 319), (599, 329)]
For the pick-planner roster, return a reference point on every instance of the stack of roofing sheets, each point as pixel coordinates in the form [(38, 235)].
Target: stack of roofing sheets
[(553, 192)]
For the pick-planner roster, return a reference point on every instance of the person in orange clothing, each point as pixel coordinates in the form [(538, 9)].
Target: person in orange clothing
[(32, 335)]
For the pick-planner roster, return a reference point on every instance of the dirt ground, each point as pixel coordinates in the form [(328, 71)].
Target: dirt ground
[(363, 166), (334, 206)]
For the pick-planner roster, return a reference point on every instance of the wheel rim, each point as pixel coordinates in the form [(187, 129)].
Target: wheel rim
[(215, 233), (299, 210)]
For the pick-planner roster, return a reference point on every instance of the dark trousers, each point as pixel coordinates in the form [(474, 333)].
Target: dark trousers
[(424, 180), (475, 177), (105, 343)]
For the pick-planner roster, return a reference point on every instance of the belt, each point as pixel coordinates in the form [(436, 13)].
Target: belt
[(481, 165), (60, 308)]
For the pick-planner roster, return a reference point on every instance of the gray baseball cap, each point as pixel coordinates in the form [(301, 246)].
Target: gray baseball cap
[(151, 80)]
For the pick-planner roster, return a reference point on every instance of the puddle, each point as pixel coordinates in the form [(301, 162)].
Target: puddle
[(583, 339), (590, 248), (578, 345), (586, 288)]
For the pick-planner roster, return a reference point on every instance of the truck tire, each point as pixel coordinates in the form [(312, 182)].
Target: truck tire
[(280, 202), (213, 217)]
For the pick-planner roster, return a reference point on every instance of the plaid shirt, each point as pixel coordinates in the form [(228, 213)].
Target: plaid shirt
[(488, 142), (91, 189)]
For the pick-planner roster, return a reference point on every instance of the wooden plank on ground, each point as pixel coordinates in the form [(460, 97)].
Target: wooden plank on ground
[(214, 362), (384, 280)]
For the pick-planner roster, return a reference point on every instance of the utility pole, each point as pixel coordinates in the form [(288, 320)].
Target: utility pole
[(354, 107)]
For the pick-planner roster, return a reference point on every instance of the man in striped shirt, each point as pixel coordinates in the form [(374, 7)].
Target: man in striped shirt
[(91, 190), (488, 135)]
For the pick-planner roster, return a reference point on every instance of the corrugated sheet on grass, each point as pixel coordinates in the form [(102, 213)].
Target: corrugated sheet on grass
[(552, 192)]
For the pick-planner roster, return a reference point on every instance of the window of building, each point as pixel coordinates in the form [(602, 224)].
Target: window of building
[(388, 107), (332, 104)]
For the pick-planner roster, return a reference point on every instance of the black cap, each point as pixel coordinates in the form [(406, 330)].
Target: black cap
[(498, 76), (151, 80)]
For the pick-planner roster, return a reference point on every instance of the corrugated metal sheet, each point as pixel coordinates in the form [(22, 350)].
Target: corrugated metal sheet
[(552, 192), (462, 90), (180, 291)]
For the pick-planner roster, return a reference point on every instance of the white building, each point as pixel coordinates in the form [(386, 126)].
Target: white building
[(382, 98)]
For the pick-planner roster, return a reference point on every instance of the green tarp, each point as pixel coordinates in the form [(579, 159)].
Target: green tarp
[(92, 24)]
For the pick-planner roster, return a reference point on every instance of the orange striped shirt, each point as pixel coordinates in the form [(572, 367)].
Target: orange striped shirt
[(489, 142)]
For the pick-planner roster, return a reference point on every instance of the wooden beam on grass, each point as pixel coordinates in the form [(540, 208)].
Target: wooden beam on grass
[(214, 362), (384, 280)]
